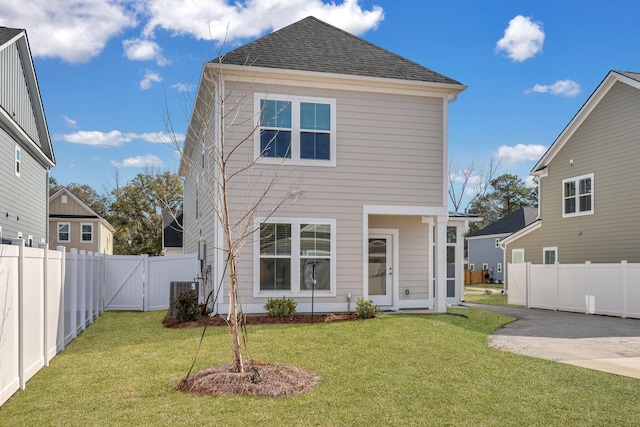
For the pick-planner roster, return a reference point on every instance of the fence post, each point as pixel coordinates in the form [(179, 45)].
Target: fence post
[(527, 280), (63, 271), (557, 277), (145, 282), (82, 290), (623, 265), (588, 297), (45, 301), (89, 286), (21, 320)]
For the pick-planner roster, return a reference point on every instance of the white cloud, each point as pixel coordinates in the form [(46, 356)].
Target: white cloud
[(149, 79), (70, 122), (521, 153), (523, 39), (148, 161), (74, 30), (183, 87), (116, 138), (78, 30), (144, 50), (566, 88), (95, 138), (223, 20)]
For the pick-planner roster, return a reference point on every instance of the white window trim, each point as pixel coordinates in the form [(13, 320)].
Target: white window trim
[(295, 258), (499, 267), (18, 161), (577, 179), (549, 249), (29, 242), (82, 232), (58, 232), (497, 242), (295, 130), (472, 266), (515, 251), (485, 266)]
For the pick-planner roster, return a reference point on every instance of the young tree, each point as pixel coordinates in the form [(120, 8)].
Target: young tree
[(217, 157)]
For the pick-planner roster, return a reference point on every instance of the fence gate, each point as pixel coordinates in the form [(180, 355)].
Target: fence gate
[(125, 282)]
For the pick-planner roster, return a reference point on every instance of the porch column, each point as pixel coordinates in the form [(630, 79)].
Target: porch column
[(440, 297)]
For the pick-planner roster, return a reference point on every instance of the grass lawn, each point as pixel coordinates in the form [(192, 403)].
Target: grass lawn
[(392, 370)]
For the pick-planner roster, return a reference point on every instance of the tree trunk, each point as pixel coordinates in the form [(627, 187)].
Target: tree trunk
[(236, 350)]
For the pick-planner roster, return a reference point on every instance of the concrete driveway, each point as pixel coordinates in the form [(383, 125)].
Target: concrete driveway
[(609, 344)]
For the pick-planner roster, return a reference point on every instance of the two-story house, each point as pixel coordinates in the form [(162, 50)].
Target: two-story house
[(587, 184), (26, 155), (75, 225), (336, 150)]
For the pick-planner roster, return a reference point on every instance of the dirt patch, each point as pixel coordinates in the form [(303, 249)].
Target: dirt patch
[(219, 320), (259, 379)]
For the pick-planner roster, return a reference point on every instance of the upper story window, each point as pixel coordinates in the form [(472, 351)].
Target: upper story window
[(577, 196), (64, 232), (86, 231), (18, 160), (294, 129), (549, 255)]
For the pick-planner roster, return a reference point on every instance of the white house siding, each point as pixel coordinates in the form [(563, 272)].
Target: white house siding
[(389, 152), (606, 144)]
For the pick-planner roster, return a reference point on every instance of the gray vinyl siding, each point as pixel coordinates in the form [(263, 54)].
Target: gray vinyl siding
[(14, 93), (483, 251), (389, 152), (607, 145), (24, 198)]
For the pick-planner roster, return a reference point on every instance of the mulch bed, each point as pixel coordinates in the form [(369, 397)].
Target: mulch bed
[(259, 379), (219, 320)]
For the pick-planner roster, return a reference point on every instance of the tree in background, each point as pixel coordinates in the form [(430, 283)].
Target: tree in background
[(508, 194), (469, 182), (136, 211)]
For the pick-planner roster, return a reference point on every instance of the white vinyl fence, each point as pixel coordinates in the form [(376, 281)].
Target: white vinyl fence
[(608, 289), (48, 297)]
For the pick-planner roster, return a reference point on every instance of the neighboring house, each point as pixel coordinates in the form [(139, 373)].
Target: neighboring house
[(171, 233), (484, 249), (357, 137), (588, 184), (73, 224), (26, 154)]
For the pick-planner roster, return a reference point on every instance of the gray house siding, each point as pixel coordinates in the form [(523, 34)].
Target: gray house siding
[(484, 251), (24, 199), (605, 145)]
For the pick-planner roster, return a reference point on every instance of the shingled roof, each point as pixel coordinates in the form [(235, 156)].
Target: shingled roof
[(509, 224), (314, 45), (7, 34)]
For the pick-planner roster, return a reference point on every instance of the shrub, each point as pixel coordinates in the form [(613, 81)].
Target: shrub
[(285, 307), (185, 306), (366, 309)]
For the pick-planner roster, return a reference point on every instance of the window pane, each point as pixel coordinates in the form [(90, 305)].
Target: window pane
[(315, 146), (275, 114), (275, 143), (318, 269), (275, 274), (451, 234), (315, 239), (585, 186), (585, 203), (569, 189), (451, 261), (569, 205), (315, 116), (549, 257), (275, 239)]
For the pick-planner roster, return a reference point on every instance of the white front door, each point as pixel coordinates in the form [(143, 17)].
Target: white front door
[(381, 269)]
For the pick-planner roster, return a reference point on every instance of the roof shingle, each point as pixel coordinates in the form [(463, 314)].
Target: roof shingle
[(313, 45)]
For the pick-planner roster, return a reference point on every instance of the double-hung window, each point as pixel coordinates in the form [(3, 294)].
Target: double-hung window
[(18, 161), (64, 232), (295, 256), (86, 231), (295, 129), (549, 255), (577, 196)]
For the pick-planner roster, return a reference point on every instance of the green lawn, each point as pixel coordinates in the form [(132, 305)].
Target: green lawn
[(392, 370)]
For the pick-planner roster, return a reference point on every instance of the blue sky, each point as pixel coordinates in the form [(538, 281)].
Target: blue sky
[(110, 70)]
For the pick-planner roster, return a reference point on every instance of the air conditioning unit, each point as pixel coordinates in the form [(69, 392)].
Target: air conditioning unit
[(177, 288)]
